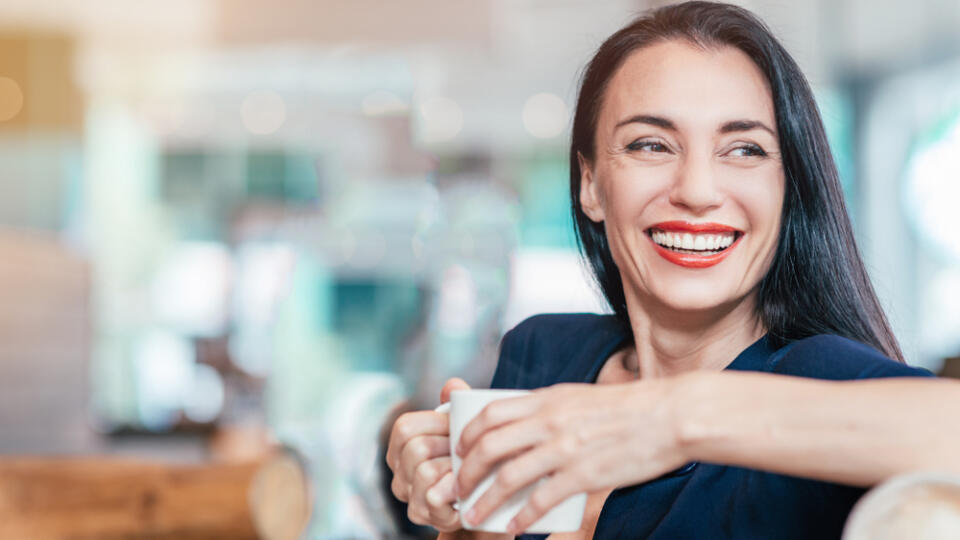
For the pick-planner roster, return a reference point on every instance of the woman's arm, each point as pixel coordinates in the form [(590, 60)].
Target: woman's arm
[(587, 438), (856, 432)]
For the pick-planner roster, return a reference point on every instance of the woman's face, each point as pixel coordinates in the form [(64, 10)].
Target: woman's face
[(687, 176)]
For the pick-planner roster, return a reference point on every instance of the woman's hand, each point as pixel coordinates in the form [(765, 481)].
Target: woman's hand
[(419, 456), (582, 437)]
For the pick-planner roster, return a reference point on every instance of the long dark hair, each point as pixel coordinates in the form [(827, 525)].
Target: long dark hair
[(817, 283)]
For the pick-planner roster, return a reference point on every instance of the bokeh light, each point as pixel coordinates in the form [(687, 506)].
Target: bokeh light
[(263, 112), (932, 188), (441, 119), (544, 115), (204, 397), (11, 99)]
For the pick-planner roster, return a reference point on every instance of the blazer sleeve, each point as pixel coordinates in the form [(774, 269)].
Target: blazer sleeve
[(838, 358), (508, 365), (523, 354), (553, 347)]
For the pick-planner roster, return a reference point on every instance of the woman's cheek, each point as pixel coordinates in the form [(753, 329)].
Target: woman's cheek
[(614, 240), (631, 190), (628, 212), (759, 192)]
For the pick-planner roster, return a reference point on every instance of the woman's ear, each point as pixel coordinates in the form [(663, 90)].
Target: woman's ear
[(590, 200)]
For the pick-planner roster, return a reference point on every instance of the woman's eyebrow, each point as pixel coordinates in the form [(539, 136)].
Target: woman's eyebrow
[(744, 125), (727, 127), (658, 121)]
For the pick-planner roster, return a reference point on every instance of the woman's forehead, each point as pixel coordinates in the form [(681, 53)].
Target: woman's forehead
[(694, 87)]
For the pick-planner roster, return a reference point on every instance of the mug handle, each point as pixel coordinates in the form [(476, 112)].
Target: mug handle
[(444, 408)]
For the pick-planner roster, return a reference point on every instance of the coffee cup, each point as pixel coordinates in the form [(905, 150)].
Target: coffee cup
[(463, 406)]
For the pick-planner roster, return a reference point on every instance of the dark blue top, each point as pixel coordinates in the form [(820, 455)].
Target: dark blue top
[(699, 500)]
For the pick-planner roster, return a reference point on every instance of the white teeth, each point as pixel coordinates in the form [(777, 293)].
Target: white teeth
[(695, 242)]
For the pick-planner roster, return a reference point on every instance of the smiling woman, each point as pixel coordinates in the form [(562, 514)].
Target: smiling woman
[(726, 61), (672, 154), (708, 205)]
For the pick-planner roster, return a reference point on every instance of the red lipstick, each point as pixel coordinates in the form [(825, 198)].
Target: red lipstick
[(683, 226), (690, 260)]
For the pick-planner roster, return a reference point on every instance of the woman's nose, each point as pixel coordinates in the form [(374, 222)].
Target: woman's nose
[(695, 185)]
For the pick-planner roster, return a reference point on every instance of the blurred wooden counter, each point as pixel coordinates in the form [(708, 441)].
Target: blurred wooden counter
[(93, 498)]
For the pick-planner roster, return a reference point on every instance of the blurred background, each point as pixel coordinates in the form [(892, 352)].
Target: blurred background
[(232, 226)]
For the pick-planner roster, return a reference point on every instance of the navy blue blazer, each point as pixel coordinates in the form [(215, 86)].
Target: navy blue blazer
[(699, 500)]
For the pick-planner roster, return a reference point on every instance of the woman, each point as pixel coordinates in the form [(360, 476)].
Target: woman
[(708, 205)]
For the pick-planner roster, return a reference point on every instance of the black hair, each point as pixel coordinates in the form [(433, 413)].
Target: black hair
[(817, 283)]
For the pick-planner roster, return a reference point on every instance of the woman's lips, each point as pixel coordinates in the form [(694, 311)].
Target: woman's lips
[(692, 260), (686, 226)]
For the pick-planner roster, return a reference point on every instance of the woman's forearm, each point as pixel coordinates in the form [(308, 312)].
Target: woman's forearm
[(856, 432)]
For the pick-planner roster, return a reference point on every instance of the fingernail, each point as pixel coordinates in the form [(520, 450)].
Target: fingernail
[(472, 516), (460, 448), (512, 527)]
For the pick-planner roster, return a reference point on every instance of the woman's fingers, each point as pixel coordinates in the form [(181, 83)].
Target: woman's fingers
[(495, 414), (440, 500), (419, 450), (418, 453), (411, 425), (553, 491), (429, 503), (455, 383), (442, 494), (494, 447), (512, 477), (416, 436), (427, 474), (400, 488)]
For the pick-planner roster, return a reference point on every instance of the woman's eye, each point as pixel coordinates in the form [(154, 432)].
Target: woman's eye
[(647, 146), (747, 150)]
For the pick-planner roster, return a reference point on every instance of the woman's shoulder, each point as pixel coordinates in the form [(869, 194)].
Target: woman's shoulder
[(828, 356), (532, 352), (566, 324)]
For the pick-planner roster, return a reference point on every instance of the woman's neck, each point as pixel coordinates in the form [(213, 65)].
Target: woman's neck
[(669, 342)]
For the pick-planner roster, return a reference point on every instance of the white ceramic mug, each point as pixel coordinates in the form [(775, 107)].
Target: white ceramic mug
[(565, 517)]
